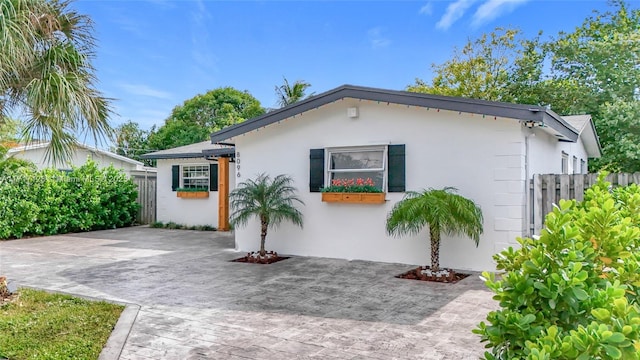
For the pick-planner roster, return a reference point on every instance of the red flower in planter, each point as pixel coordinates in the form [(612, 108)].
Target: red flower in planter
[(352, 185)]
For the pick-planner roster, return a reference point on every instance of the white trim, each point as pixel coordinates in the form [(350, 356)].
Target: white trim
[(345, 149), (208, 177)]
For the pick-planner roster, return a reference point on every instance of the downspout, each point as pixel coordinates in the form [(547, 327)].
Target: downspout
[(528, 203)]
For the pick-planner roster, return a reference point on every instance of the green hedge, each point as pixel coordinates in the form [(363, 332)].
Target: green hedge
[(51, 202), (574, 292)]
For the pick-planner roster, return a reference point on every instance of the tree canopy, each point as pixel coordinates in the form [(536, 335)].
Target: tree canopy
[(46, 74), (480, 70), (594, 69), (291, 93), (198, 117), (131, 141)]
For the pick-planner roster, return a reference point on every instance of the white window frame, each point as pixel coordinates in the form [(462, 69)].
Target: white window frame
[(575, 165), (564, 165), (583, 166), (344, 149), (206, 167)]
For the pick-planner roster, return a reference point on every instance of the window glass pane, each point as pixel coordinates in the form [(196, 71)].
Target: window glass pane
[(357, 160), (375, 176), (195, 176)]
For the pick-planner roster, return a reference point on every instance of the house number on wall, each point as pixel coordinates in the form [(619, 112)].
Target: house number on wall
[(238, 164)]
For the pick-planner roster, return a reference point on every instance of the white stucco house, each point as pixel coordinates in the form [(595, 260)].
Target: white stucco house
[(36, 154), (190, 166), (403, 141)]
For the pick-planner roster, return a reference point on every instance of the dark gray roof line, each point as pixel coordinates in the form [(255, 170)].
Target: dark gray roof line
[(172, 156), (219, 152), (535, 113)]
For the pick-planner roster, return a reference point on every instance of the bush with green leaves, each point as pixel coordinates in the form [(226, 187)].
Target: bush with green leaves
[(51, 202), (573, 293)]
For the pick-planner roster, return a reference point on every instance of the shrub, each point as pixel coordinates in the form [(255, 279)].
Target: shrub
[(572, 293), (51, 202)]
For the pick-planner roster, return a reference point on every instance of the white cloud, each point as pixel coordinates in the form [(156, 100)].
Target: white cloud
[(427, 9), (454, 12), (377, 39), (165, 4), (493, 9), (144, 90)]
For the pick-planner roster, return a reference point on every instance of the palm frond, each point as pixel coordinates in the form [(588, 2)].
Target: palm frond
[(46, 71), (290, 93), (274, 199), (442, 210)]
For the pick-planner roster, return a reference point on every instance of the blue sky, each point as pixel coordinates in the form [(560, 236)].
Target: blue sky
[(155, 54)]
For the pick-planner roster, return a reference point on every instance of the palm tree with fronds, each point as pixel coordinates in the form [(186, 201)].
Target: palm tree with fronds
[(291, 93), (444, 211), (47, 75), (271, 201)]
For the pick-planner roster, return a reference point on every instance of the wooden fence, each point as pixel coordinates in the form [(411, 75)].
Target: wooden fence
[(547, 190), (146, 183)]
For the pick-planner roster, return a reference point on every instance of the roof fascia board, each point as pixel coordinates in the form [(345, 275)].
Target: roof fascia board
[(172, 156), (514, 111), (555, 122)]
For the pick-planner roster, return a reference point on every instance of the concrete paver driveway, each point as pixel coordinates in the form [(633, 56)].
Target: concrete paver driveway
[(195, 304)]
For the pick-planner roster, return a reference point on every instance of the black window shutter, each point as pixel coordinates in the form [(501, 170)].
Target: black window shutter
[(396, 172), (316, 170), (213, 177), (175, 177)]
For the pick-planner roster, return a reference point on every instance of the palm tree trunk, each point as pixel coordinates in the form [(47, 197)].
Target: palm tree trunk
[(435, 248), (263, 234)]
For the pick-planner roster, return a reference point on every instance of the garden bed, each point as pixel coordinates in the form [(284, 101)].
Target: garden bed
[(424, 273), (255, 258)]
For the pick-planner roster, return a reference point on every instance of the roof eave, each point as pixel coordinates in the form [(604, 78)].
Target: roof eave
[(172, 156), (515, 111)]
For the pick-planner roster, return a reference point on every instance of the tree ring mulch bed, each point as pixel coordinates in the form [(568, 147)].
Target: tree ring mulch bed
[(255, 258), (417, 274)]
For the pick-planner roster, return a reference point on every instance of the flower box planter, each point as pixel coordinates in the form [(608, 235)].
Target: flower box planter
[(354, 198), (193, 194)]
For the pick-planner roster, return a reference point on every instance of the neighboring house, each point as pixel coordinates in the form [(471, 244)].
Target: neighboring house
[(190, 166), (36, 154), (403, 141)]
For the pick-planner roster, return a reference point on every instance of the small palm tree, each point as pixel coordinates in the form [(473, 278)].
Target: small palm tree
[(271, 201), (443, 210), (291, 93)]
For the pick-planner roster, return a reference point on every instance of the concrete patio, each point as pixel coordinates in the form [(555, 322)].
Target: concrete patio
[(195, 304)]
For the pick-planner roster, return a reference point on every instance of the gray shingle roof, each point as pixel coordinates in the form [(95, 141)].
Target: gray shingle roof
[(196, 150)]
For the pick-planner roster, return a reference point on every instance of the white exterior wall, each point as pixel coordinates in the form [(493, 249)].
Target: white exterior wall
[(546, 153), (191, 212), (79, 158), (482, 157)]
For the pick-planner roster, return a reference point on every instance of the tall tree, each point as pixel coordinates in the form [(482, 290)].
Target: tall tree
[(621, 139), (601, 61), (9, 129), (131, 141), (480, 70), (602, 56), (47, 75), (290, 93), (591, 70), (198, 117)]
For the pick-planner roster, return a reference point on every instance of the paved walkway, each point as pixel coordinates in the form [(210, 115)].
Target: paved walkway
[(195, 304)]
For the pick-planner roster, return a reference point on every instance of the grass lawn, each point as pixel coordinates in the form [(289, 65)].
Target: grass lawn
[(39, 325)]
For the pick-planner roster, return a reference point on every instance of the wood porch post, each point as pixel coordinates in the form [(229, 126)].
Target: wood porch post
[(223, 193)]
